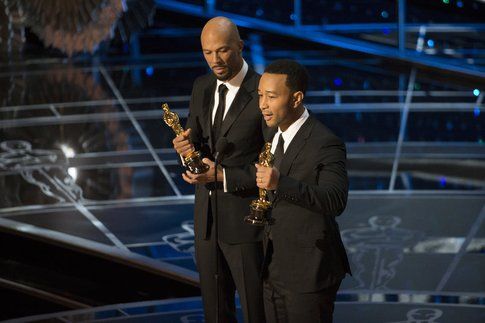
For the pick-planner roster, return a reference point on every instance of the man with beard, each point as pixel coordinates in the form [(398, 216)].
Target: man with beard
[(224, 103), (305, 259)]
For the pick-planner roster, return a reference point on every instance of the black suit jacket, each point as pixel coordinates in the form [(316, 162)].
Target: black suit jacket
[(312, 191), (243, 127)]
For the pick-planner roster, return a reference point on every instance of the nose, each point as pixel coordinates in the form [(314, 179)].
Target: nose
[(215, 57)]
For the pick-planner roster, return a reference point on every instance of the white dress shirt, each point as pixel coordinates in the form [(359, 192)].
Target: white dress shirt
[(233, 86), (289, 133)]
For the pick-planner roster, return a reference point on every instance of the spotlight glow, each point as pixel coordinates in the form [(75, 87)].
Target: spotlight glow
[(476, 111), (443, 181), (476, 92), (338, 81), (68, 151), (149, 71), (72, 171)]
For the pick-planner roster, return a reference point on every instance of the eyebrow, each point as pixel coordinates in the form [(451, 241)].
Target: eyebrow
[(270, 91), (215, 50)]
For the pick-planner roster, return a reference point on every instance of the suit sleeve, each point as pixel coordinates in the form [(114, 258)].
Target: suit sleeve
[(244, 178), (194, 118), (328, 195), (240, 178)]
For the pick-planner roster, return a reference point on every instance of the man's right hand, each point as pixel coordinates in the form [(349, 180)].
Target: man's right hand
[(182, 143)]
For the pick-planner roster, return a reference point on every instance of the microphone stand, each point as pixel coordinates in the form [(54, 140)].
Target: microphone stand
[(221, 147), (216, 238)]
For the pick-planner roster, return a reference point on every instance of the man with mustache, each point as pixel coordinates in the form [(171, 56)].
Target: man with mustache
[(224, 103), (305, 259)]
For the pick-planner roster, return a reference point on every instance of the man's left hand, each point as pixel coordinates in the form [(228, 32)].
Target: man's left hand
[(207, 177), (267, 177)]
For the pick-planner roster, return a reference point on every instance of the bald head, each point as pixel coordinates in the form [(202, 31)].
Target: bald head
[(222, 47), (221, 26)]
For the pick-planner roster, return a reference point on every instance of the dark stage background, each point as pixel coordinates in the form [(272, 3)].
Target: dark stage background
[(96, 222)]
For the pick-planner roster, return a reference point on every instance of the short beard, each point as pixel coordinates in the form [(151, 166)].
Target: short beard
[(226, 76)]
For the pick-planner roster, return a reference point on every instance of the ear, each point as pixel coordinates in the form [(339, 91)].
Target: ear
[(298, 99), (241, 46)]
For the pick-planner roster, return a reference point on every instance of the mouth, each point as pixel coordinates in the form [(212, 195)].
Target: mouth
[(267, 117), (219, 69)]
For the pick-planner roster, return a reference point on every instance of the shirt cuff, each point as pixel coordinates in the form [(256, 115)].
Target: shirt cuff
[(224, 180)]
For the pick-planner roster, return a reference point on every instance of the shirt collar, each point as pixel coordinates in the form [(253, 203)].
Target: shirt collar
[(290, 133), (235, 83)]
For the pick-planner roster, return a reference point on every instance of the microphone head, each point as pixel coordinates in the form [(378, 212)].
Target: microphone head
[(221, 145)]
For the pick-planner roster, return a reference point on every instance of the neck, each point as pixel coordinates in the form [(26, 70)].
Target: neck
[(236, 71)]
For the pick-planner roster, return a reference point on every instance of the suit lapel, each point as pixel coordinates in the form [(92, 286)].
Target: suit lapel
[(243, 96), (209, 102), (296, 145)]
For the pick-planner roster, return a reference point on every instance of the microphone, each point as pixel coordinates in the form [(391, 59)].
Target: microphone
[(221, 147)]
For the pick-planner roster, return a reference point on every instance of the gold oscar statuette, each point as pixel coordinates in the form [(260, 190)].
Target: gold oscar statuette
[(192, 161), (259, 208)]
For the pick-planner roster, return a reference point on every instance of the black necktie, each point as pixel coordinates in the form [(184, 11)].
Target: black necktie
[(216, 127), (279, 152)]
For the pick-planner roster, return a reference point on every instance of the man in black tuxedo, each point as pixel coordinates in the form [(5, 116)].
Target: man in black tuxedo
[(305, 259), (224, 103)]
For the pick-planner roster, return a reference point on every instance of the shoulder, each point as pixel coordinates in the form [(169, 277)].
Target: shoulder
[(252, 74), (251, 80), (204, 80), (322, 135)]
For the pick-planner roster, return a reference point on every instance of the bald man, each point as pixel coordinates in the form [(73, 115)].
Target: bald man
[(224, 104)]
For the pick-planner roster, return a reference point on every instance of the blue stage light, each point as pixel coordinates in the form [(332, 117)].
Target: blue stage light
[(443, 181), (459, 4), (149, 70), (338, 81), (384, 14), (386, 31), (476, 111), (476, 92), (430, 43)]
